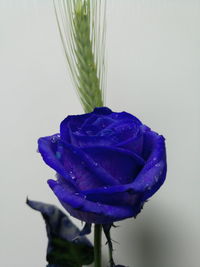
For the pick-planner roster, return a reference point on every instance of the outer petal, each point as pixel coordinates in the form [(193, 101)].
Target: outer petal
[(105, 196), (71, 163), (91, 212), (147, 182), (153, 174), (51, 148)]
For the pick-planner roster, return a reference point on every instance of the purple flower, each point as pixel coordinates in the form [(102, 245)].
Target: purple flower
[(108, 164)]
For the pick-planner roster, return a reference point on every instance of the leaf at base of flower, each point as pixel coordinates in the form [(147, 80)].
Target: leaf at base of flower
[(67, 247)]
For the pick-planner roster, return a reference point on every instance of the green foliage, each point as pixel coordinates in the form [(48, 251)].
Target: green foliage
[(81, 25), (70, 254)]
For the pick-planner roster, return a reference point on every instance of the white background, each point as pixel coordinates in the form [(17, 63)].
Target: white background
[(153, 73)]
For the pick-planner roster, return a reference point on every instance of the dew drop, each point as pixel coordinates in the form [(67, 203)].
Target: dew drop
[(157, 165), (89, 132), (156, 178), (72, 175), (149, 188), (53, 139), (105, 187), (77, 194), (95, 163), (58, 155)]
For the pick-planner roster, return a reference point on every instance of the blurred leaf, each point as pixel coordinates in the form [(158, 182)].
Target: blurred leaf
[(86, 229), (66, 246)]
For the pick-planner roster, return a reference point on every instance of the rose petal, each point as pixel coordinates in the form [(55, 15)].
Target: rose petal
[(94, 125), (117, 199), (72, 163), (123, 165), (86, 141), (102, 111), (148, 181), (91, 212), (51, 148), (71, 123), (153, 174), (123, 116), (135, 143)]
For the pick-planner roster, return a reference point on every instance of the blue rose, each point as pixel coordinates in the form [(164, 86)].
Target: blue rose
[(108, 164)]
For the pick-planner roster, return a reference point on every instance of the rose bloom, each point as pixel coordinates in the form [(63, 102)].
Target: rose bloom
[(108, 164)]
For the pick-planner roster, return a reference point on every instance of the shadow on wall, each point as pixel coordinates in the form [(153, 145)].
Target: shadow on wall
[(151, 240)]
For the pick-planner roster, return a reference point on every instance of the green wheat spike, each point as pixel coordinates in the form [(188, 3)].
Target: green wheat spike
[(81, 25)]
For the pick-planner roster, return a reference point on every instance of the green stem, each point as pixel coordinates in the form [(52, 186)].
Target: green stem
[(97, 245)]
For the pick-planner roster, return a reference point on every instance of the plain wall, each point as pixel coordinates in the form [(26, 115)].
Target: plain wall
[(153, 62)]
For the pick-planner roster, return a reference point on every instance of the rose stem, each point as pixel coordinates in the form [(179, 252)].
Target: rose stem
[(97, 245)]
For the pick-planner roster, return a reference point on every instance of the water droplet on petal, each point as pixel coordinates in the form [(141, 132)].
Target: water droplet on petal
[(72, 175), (89, 132), (58, 155), (95, 163), (53, 139), (154, 158), (77, 194), (157, 165), (105, 187)]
